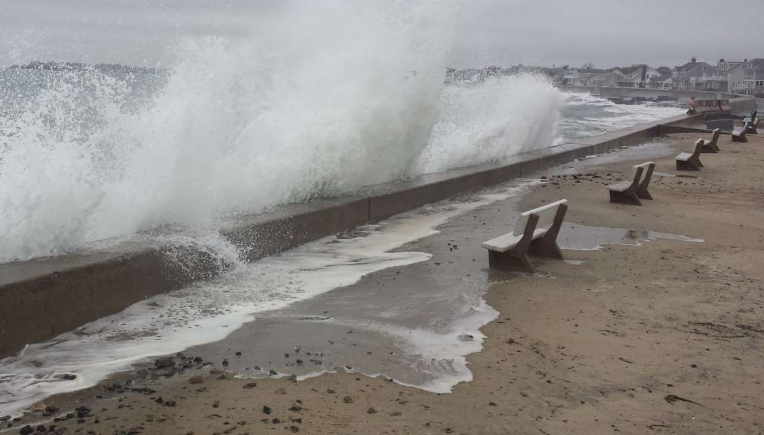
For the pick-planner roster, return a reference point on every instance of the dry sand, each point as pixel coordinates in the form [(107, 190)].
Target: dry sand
[(661, 338)]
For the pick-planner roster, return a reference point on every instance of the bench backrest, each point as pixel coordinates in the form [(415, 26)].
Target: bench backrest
[(546, 216), (715, 137), (648, 167), (698, 147), (745, 129)]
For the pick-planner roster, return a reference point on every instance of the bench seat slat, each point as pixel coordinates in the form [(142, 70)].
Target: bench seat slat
[(620, 187), (508, 241), (684, 157)]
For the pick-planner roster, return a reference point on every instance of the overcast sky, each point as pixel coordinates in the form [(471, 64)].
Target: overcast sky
[(500, 32)]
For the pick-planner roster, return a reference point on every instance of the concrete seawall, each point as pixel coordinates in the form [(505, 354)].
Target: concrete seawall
[(42, 298), (737, 103)]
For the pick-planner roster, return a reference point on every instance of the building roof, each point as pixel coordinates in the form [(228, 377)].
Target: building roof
[(689, 66), (661, 78), (758, 64), (628, 70)]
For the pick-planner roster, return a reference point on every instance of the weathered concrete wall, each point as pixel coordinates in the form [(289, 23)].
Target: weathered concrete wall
[(670, 129), (742, 105), (54, 296), (42, 298), (259, 236)]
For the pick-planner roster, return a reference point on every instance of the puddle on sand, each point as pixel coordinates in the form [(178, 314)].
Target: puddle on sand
[(585, 238), (211, 311)]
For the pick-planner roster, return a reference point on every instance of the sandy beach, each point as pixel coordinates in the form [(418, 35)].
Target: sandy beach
[(647, 336)]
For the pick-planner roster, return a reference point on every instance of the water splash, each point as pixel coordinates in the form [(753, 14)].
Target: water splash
[(319, 98), (210, 311), (587, 115)]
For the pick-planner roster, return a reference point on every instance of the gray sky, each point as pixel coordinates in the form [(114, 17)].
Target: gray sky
[(501, 32)]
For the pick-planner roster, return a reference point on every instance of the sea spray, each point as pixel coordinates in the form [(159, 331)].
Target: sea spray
[(209, 311), (318, 99), (587, 115), (494, 119)]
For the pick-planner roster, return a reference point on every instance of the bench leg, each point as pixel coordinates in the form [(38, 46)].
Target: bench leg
[(643, 193), (510, 260), (686, 166), (546, 246), (709, 149), (629, 198)]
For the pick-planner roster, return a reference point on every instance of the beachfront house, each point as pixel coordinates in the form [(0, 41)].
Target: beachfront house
[(747, 78), (608, 79), (631, 77), (586, 78), (635, 76), (575, 77), (699, 76), (663, 81), (725, 65)]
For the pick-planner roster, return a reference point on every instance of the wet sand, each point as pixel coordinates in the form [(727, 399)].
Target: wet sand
[(665, 337)]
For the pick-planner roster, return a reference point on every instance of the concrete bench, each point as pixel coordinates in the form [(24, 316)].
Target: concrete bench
[(535, 233), (690, 161), (642, 191), (753, 125), (712, 146), (629, 192), (739, 135)]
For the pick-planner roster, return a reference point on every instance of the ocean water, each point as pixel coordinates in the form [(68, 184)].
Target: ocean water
[(355, 97), (585, 115), (84, 156), (210, 311), (87, 155)]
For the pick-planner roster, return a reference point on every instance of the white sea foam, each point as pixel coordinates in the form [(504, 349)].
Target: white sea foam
[(588, 115), (500, 117), (208, 312), (319, 98)]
